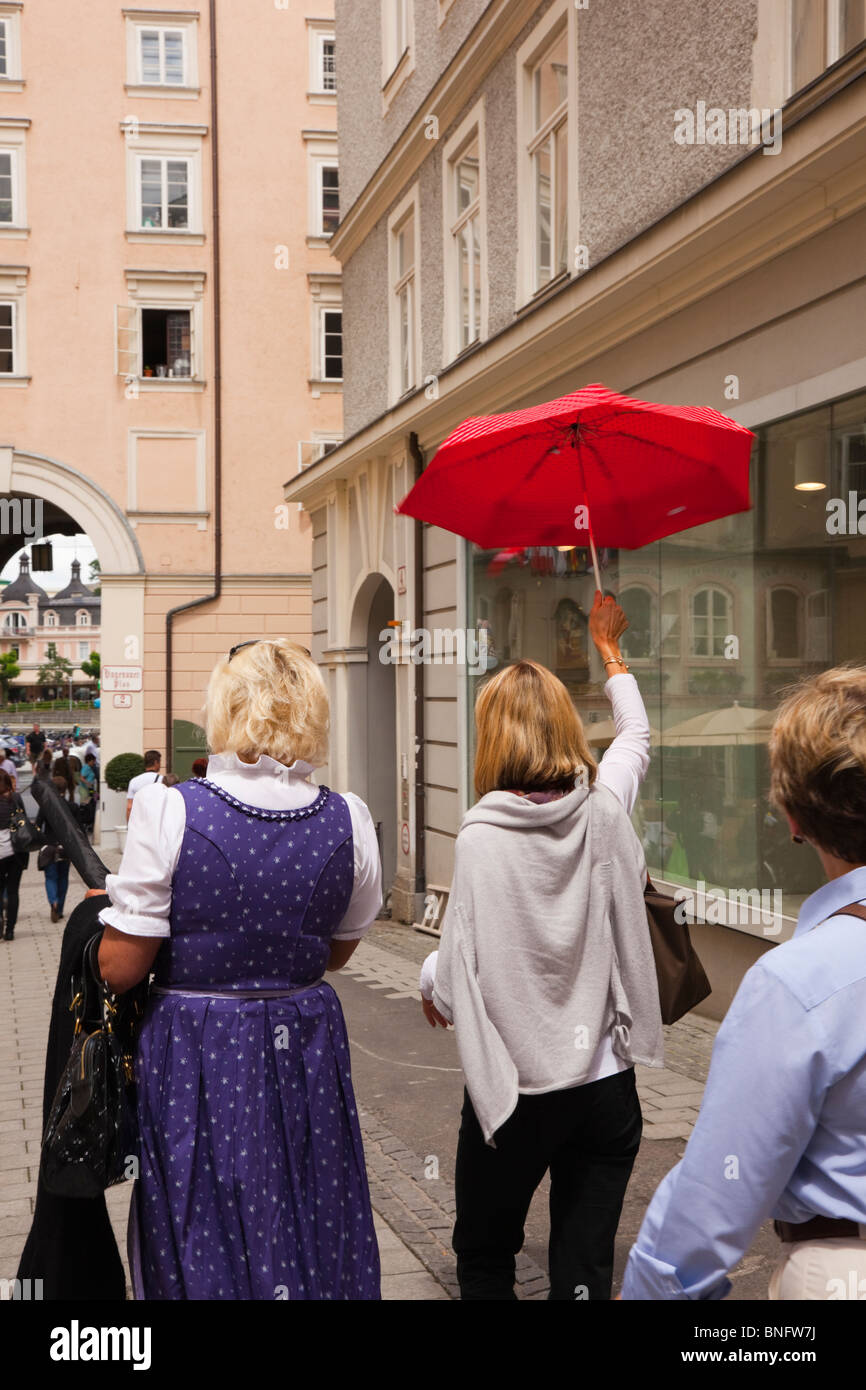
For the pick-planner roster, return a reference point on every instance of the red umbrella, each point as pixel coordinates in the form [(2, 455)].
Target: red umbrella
[(590, 468)]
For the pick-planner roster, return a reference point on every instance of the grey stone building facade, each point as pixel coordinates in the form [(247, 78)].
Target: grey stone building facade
[(669, 199)]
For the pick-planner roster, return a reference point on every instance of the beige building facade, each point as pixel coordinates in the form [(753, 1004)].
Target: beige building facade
[(170, 322), (671, 200)]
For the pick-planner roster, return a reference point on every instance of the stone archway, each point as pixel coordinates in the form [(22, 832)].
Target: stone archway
[(25, 474), (372, 707)]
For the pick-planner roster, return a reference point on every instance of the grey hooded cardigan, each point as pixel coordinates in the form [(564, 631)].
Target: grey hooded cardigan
[(545, 947)]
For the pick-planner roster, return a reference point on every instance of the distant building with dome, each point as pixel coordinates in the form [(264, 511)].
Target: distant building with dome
[(31, 619)]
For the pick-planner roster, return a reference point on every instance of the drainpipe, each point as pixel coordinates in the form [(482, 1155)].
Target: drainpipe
[(420, 799), (217, 399)]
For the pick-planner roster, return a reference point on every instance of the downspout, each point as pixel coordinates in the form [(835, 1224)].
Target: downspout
[(217, 403), (420, 798)]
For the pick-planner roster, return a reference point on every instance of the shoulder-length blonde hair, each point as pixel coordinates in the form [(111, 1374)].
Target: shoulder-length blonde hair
[(529, 735), (268, 699)]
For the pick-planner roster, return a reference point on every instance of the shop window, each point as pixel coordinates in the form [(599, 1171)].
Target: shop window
[(711, 621)]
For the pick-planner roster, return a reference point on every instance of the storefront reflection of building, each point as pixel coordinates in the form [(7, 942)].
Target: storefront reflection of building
[(723, 619)]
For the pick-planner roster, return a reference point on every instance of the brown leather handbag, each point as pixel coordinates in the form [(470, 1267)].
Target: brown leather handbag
[(682, 979)]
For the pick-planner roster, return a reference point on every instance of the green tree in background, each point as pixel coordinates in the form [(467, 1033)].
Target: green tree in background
[(93, 666), (9, 669), (56, 669)]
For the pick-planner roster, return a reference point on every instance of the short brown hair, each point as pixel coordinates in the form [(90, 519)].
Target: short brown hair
[(818, 760), (529, 734)]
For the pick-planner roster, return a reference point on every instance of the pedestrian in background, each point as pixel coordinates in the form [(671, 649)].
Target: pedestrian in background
[(52, 858), (546, 970), (782, 1127), (34, 745), (7, 765), (242, 891), (12, 865), (152, 765), (199, 768)]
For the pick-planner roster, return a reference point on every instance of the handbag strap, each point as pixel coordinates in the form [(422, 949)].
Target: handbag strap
[(852, 910)]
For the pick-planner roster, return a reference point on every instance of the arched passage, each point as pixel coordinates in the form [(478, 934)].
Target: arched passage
[(372, 711), (65, 491)]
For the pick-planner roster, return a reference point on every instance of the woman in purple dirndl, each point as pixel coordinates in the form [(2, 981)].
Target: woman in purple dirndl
[(240, 890)]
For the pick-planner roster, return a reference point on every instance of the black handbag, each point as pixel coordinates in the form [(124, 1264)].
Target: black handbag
[(682, 979), (91, 1141), (22, 834)]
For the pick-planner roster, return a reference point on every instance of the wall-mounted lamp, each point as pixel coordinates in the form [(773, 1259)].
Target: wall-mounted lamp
[(810, 464)]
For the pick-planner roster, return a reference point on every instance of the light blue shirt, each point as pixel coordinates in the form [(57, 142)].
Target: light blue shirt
[(782, 1128)]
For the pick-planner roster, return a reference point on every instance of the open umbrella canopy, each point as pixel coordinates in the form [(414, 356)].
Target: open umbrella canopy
[(735, 724), (591, 466)]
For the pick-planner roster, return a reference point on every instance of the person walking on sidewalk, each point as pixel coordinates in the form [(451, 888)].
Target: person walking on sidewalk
[(546, 970), (12, 865), (243, 889), (52, 860), (34, 744), (782, 1126)]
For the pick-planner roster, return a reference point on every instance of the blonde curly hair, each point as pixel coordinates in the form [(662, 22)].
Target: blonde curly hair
[(269, 699)]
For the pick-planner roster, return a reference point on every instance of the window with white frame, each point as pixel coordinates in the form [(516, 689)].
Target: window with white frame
[(82, 618), (163, 193), (13, 135), (13, 281), (161, 53), (82, 651), (161, 57), (329, 199), (405, 317), (10, 45), (322, 80), (158, 332), (7, 338), (50, 618), (820, 32), (330, 344), (8, 188), (465, 236), (164, 197), (711, 621), (323, 184), (396, 19), (548, 154)]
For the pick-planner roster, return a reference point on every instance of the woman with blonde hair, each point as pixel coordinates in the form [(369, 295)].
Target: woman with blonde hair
[(241, 889), (782, 1128), (545, 968)]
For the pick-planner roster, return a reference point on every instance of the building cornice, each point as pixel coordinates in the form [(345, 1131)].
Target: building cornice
[(761, 208), (492, 36)]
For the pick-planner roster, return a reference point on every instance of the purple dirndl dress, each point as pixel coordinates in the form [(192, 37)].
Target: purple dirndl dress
[(252, 1181)]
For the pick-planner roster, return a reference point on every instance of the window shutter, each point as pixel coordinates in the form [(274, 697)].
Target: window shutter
[(126, 340)]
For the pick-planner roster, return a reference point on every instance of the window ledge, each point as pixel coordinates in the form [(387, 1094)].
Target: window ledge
[(10, 232), (163, 91), (320, 240), (12, 84), (539, 296), (322, 98), (327, 386), (169, 383), (11, 380), (158, 236)]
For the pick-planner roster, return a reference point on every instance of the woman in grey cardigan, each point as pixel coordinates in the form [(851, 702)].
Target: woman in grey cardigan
[(545, 968)]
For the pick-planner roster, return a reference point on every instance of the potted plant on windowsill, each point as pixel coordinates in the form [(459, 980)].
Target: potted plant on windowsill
[(148, 371)]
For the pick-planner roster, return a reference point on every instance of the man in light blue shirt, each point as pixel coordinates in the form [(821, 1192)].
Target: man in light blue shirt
[(782, 1128)]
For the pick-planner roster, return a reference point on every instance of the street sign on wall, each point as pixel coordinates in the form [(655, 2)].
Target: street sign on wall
[(121, 678), (123, 702)]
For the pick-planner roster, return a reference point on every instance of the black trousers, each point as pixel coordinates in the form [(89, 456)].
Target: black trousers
[(11, 869), (588, 1137)]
